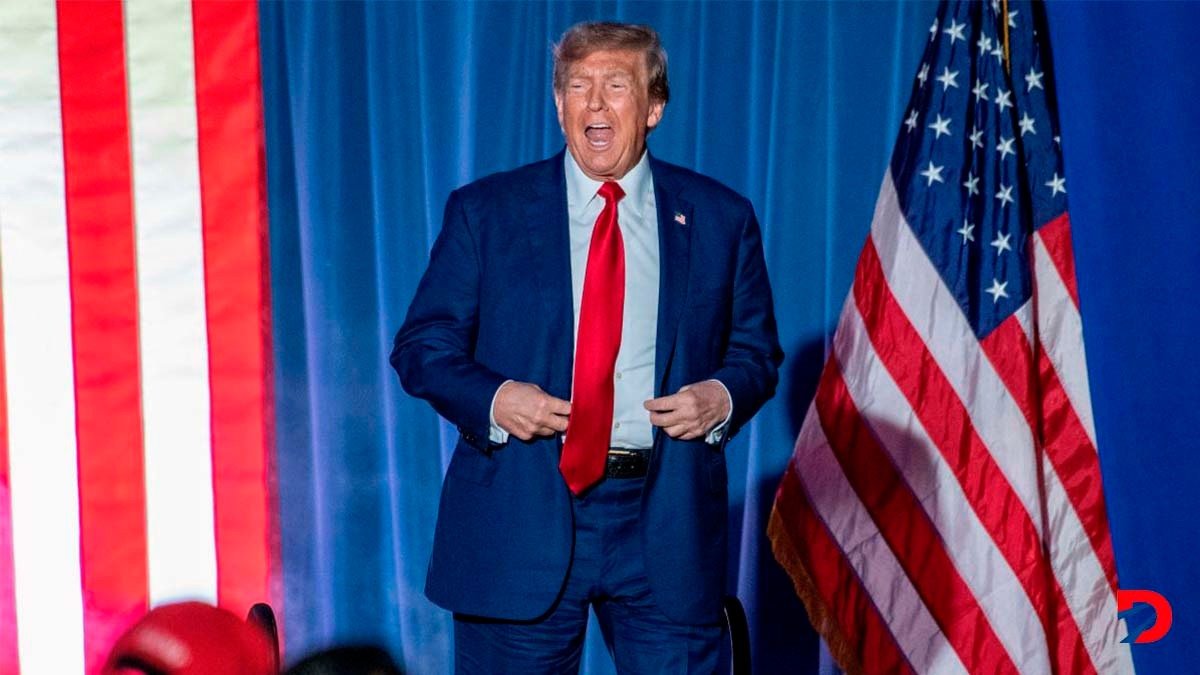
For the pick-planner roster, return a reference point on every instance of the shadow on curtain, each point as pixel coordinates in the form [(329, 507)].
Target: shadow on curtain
[(376, 111)]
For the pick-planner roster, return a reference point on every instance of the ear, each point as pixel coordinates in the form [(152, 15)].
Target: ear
[(654, 115), (558, 105)]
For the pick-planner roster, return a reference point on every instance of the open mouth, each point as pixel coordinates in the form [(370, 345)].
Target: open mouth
[(599, 135)]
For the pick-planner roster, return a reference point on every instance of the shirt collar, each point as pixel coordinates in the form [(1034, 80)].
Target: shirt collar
[(581, 189)]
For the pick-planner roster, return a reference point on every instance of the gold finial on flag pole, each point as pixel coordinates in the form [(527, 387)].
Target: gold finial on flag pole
[(1004, 23)]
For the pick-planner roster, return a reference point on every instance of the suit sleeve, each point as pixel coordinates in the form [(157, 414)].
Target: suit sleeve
[(434, 350), (750, 367)]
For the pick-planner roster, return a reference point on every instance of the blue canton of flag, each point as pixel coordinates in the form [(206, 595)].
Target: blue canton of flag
[(977, 164)]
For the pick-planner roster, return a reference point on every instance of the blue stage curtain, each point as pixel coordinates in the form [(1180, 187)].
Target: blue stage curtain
[(375, 111)]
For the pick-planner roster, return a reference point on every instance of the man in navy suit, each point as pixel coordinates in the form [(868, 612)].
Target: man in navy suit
[(597, 325)]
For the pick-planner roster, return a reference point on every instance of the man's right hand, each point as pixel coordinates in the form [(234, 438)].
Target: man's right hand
[(525, 411)]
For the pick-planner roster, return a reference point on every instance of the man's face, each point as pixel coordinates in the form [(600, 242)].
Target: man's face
[(605, 111)]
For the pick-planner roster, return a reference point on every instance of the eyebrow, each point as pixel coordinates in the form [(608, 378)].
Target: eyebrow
[(607, 72)]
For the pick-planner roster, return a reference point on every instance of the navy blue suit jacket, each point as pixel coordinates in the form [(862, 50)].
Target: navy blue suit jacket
[(495, 304)]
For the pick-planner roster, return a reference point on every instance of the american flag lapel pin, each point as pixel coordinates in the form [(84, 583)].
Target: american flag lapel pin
[(680, 218)]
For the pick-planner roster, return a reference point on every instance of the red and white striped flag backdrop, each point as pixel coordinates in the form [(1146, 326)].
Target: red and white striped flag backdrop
[(135, 415), (943, 510)]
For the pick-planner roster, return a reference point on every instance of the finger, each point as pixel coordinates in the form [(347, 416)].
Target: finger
[(676, 430), (692, 435), (558, 406), (547, 431), (666, 419), (663, 403), (556, 423)]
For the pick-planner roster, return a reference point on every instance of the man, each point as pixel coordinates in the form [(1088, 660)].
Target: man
[(597, 325)]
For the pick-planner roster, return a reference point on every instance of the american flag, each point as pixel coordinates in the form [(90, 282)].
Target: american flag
[(943, 510), (134, 400)]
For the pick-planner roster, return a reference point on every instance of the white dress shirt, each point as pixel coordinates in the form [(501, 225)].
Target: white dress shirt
[(633, 375)]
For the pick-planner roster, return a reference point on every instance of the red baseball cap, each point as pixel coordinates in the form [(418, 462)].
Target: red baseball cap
[(192, 638)]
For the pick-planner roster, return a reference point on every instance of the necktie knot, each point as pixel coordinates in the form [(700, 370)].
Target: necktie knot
[(611, 192)]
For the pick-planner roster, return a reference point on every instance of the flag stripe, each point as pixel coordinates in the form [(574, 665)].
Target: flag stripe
[(951, 427), (1072, 454), (37, 341), (1065, 452), (104, 315), (1055, 236), (179, 498), (1091, 603), (862, 582), (906, 528), (8, 609), (1070, 435), (931, 480), (839, 599), (1060, 332), (228, 101), (1010, 352)]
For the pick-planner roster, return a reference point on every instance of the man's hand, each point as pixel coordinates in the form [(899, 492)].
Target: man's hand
[(692, 411), (525, 411)]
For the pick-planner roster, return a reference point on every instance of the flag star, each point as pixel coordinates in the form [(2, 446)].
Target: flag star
[(911, 122), (1034, 79), (933, 30), (996, 6), (972, 184), (1001, 243), (977, 138), (980, 89), (997, 290), (967, 232), (924, 74), (1005, 195), (998, 52), (1012, 19), (947, 78), (941, 126), (1027, 124), (1004, 99), (1057, 185), (1005, 147), (933, 173), (984, 44), (955, 31), (1058, 140)]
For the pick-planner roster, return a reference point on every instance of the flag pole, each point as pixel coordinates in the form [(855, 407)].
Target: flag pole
[(1004, 24)]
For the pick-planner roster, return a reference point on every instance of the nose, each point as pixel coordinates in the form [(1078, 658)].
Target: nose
[(595, 99)]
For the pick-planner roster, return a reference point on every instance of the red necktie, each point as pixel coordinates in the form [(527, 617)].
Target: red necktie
[(585, 450)]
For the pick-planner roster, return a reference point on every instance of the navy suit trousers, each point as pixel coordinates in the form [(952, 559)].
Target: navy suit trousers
[(608, 573)]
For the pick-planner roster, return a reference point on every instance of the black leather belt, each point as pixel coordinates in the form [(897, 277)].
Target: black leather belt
[(627, 462)]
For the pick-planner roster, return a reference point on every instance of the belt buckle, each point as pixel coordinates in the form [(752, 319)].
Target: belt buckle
[(625, 463)]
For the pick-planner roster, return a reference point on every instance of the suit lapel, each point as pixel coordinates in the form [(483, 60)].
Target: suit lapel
[(675, 226), (546, 223)]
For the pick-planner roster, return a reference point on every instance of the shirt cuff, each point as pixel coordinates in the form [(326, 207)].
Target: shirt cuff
[(496, 434), (714, 436)]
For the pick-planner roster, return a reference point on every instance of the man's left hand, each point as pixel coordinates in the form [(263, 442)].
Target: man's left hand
[(692, 411)]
